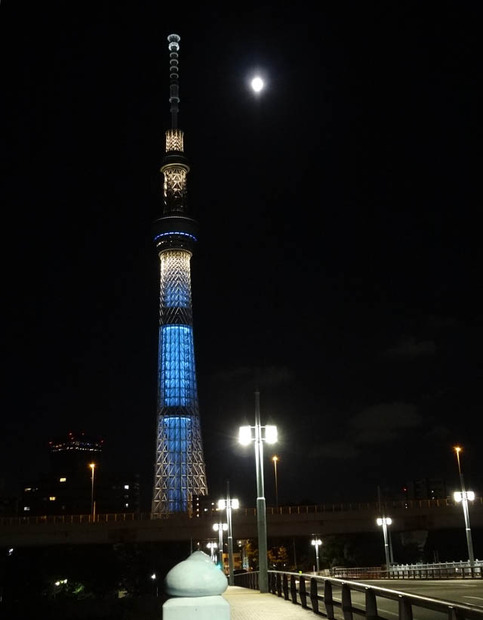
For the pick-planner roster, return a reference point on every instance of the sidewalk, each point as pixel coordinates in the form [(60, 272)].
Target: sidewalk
[(248, 604)]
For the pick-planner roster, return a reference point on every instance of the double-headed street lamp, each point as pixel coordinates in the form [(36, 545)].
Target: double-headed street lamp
[(229, 504), (212, 546), (464, 496), (258, 434), (316, 542), (220, 528), (385, 521)]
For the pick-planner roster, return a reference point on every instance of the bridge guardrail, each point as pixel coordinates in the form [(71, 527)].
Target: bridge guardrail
[(438, 570), (326, 596), (406, 505)]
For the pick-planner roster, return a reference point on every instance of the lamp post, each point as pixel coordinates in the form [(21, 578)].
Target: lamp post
[(154, 578), (316, 542), (229, 505), (463, 497), (275, 460), (385, 521), (93, 504), (212, 546), (258, 434), (220, 528)]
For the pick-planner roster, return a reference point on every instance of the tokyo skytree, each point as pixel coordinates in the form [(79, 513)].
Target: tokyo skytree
[(179, 475)]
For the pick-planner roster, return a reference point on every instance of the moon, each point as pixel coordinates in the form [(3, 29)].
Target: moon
[(257, 84)]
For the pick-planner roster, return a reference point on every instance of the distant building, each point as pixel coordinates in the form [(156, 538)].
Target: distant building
[(8, 503), (120, 492), (74, 454), (425, 488), (204, 505), (78, 483)]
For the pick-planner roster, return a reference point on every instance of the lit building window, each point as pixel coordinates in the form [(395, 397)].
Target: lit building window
[(52, 498), (126, 486), (62, 479), (26, 508)]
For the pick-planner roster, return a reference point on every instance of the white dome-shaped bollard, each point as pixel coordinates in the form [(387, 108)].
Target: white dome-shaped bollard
[(196, 586)]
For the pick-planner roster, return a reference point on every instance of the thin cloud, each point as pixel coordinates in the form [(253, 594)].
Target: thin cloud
[(375, 425), (270, 376), (410, 349), (335, 450), (398, 415)]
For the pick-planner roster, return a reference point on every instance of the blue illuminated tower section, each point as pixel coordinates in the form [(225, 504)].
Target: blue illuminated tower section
[(180, 468)]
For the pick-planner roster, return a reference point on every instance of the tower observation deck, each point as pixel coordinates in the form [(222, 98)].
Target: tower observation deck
[(179, 473)]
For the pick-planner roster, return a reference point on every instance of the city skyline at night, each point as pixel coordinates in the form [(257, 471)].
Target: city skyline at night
[(338, 263)]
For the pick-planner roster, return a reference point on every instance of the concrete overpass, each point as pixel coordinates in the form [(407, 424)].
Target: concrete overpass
[(285, 521)]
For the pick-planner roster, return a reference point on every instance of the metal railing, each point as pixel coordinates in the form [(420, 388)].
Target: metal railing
[(438, 570), (405, 505), (337, 599), (111, 517)]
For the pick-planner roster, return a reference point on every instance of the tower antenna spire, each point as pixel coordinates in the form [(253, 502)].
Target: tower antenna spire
[(173, 46)]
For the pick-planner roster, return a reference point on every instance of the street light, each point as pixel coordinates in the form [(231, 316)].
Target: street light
[(275, 460), (258, 434), (154, 578), (220, 528), (229, 505), (385, 521), (212, 546), (316, 542), (463, 497), (93, 504)]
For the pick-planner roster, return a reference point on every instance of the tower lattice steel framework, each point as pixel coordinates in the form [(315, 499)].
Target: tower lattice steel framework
[(179, 473)]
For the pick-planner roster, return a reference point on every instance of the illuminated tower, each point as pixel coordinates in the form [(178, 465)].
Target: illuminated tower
[(180, 468)]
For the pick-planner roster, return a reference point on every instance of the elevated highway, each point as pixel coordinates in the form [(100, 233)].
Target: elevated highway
[(285, 521)]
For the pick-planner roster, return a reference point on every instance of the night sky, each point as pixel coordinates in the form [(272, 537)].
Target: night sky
[(338, 268)]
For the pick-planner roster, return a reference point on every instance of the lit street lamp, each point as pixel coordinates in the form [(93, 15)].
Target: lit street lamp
[(220, 528), (229, 505), (463, 497), (385, 521), (275, 460), (316, 542), (154, 578), (258, 434), (212, 546), (93, 504)]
